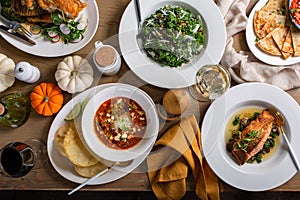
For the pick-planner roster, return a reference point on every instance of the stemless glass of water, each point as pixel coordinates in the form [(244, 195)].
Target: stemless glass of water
[(17, 158), (211, 81)]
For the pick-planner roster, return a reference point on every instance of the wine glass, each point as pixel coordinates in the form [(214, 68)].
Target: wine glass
[(40, 153), (211, 81), (18, 158)]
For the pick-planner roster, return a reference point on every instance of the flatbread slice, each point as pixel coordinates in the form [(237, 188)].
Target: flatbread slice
[(288, 43), (296, 41), (265, 22), (268, 45), (275, 6), (60, 136), (90, 171), (75, 150), (279, 34), (259, 20)]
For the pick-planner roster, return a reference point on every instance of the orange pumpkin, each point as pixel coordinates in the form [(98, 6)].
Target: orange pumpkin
[(46, 99)]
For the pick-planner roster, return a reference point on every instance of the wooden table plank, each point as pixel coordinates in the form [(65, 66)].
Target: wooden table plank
[(38, 126)]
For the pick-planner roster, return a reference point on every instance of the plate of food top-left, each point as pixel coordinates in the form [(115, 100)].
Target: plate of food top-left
[(85, 19)]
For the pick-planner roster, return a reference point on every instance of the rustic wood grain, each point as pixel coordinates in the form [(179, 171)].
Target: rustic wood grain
[(38, 126)]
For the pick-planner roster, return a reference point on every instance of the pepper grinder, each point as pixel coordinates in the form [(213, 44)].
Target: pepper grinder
[(26, 72)]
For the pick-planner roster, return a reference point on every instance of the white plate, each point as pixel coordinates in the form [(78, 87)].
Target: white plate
[(167, 77), (272, 172), (259, 54), (63, 166), (46, 48)]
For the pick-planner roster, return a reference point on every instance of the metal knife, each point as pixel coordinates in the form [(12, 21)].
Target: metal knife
[(139, 36), (16, 34), (138, 12)]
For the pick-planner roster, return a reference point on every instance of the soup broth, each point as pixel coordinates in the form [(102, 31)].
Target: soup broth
[(120, 123)]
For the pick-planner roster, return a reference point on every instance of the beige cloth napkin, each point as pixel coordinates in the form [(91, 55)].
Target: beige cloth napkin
[(243, 66), (169, 181)]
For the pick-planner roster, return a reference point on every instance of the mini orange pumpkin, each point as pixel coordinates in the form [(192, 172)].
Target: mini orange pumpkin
[(46, 99)]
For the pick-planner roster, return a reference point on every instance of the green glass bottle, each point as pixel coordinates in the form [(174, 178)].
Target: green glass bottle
[(14, 109)]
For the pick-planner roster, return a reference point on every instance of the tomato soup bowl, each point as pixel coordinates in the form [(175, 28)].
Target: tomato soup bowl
[(94, 127)]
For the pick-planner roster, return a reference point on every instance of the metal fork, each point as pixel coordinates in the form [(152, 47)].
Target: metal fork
[(121, 164), (279, 120), (16, 26)]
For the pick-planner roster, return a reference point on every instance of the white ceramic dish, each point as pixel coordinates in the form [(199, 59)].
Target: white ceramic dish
[(46, 48), (88, 127), (63, 166), (272, 172), (259, 54), (167, 77)]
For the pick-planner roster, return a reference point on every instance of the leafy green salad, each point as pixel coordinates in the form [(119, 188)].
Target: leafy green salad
[(63, 29), (172, 36)]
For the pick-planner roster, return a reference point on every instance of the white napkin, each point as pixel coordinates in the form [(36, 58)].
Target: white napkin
[(243, 66)]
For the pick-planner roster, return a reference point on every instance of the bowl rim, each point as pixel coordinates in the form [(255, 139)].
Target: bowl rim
[(93, 142), (290, 15)]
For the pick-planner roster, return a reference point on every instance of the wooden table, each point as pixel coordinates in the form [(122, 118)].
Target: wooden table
[(37, 126)]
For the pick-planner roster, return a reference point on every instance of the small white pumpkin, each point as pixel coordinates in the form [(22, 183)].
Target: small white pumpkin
[(74, 74), (7, 77)]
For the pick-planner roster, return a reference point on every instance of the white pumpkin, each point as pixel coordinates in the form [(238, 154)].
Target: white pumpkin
[(74, 74), (7, 77)]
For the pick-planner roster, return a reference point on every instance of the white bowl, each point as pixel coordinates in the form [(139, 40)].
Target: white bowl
[(89, 134)]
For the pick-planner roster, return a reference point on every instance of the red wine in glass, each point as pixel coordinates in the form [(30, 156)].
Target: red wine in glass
[(16, 159)]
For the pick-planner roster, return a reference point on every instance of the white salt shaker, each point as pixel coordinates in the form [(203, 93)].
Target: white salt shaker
[(26, 72)]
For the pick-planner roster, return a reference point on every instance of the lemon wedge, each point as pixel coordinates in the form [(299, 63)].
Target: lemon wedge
[(74, 112)]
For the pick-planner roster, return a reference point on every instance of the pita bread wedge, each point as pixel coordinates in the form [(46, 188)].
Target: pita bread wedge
[(268, 45), (259, 20), (279, 34), (75, 150), (296, 41), (275, 6), (265, 22), (60, 136), (90, 171), (288, 43)]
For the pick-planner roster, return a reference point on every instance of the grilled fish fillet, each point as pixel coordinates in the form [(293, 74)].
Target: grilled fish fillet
[(71, 8), (261, 128)]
